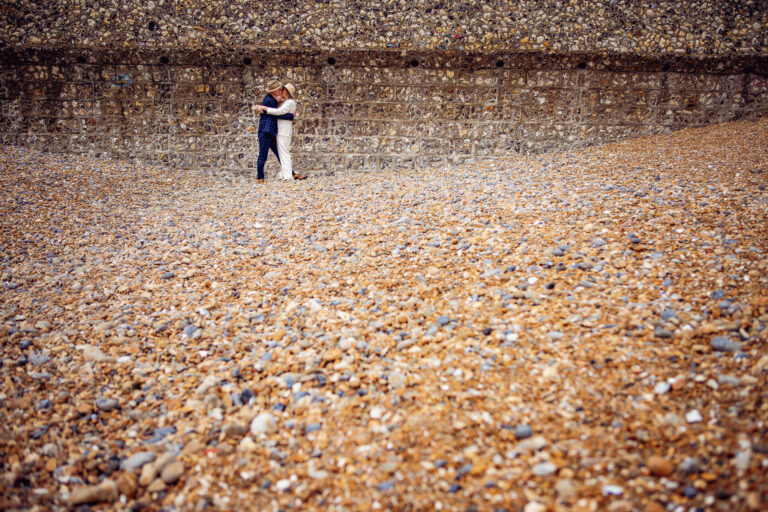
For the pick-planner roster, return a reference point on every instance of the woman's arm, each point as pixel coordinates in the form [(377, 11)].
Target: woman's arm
[(288, 107)]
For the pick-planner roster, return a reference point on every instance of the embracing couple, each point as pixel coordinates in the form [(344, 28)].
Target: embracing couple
[(276, 129)]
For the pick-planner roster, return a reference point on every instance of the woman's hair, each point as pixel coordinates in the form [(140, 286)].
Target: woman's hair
[(286, 92)]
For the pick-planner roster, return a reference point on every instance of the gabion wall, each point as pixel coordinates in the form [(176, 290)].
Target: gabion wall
[(360, 110)]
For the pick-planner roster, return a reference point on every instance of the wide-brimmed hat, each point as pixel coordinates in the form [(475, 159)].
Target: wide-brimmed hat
[(273, 86), (291, 89)]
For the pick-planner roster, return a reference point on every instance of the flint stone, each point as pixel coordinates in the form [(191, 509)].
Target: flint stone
[(156, 486), (523, 431), (172, 472), (37, 359), (137, 460), (234, 430), (544, 469), (94, 354), (693, 416), (148, 474), (44, 405), (264, 423), (396, 380), (107, 404), (105, 492), (668, 315), (164, 460), (209, 382), (160, 433), (724, 344)]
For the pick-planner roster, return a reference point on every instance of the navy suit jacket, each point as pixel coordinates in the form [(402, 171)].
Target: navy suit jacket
[(268, 123)]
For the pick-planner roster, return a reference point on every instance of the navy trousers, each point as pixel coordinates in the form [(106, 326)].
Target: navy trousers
[(266, 142)]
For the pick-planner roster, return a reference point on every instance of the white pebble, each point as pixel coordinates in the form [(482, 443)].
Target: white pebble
[(612, 490), (534, 506), (693, 416), (544, 469), (742, 460), (263, 424)]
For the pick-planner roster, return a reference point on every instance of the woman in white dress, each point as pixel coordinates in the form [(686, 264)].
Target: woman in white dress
[(285, 131)]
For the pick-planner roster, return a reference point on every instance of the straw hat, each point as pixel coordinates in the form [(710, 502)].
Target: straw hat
[(273, 86), (291, 89)]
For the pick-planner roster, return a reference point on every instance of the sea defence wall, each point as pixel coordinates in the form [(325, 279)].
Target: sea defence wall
[(360, 109)]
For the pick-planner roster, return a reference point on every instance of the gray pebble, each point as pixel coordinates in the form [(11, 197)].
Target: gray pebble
[(668, 315), (691, 465), (523, 431), (464, 470), (50, 450), (724, 344), (36, 358), (159, 434), (728, 379), (137, 460), (107, 404), (190, 330), (44, 405), (246, 395)]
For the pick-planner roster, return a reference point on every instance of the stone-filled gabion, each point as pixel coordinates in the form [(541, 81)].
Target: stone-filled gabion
[(360, 110)]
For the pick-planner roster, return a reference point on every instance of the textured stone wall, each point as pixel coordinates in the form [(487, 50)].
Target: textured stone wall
[(360, 110), (661, 27)]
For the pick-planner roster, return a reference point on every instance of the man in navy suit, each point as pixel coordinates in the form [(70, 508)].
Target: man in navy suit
[(268, 128)]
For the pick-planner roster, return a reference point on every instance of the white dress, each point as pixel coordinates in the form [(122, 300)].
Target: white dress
[(284, 136)]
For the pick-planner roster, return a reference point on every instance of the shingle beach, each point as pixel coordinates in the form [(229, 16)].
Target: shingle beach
[(570, 331)]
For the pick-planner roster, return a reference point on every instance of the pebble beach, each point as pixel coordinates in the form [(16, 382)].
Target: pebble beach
[(571, 331)]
